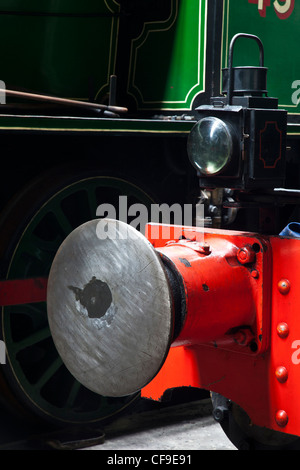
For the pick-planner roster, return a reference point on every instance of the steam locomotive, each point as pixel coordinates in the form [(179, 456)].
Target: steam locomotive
[(186, 103)]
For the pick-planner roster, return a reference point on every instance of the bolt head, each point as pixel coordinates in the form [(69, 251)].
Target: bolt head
[(283, 330), (284, 286), (220, 413), (281, 374), (246, 255), (281, 418)]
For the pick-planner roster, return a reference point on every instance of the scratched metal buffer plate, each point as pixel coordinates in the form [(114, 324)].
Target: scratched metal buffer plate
[(109, 307)]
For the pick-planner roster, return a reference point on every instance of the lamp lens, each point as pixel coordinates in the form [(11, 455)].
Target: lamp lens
[(210, 145)]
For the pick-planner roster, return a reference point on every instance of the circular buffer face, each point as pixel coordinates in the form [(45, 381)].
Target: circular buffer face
[(109, 307)]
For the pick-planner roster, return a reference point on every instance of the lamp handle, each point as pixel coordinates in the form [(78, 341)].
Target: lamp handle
[(230, 59)]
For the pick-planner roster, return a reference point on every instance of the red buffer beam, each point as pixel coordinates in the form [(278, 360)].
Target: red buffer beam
[(180, 307), (256, 365)]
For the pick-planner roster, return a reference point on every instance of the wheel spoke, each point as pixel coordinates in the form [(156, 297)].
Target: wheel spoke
[(72, 394), (32, 339), (49, 372), (50, 246), (35, 314), (62, 219), (37, 254)]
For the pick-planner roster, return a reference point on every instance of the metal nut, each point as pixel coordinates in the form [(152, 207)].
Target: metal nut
[(246, 255)]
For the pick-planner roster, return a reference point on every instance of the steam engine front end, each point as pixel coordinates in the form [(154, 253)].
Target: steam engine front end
[(124, 112)]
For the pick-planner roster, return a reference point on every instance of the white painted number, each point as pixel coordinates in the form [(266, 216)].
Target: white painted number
[(283, 8)]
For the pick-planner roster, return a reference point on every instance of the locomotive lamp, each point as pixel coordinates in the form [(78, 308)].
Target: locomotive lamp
[(239, 139)]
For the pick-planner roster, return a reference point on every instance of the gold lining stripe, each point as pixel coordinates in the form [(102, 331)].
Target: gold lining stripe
[(152, 131)]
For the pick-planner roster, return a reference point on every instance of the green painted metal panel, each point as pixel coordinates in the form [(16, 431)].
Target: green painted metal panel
[(167, 66), (277, 24), (64, 48)]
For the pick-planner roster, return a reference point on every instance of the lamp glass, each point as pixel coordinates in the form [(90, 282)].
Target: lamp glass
[(210, 145)]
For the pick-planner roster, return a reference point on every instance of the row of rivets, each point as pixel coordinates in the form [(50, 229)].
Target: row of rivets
[(281, 373)]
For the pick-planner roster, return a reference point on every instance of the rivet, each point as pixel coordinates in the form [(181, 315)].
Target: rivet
[(281, 418), (255, 274), (283, 330), (246, 255), (284, 286), (281, 374)]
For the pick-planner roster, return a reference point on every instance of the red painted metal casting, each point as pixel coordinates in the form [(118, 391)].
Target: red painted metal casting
[(241, 336)]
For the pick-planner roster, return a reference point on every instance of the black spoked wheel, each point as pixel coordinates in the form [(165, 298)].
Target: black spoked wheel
[(32, 228)]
